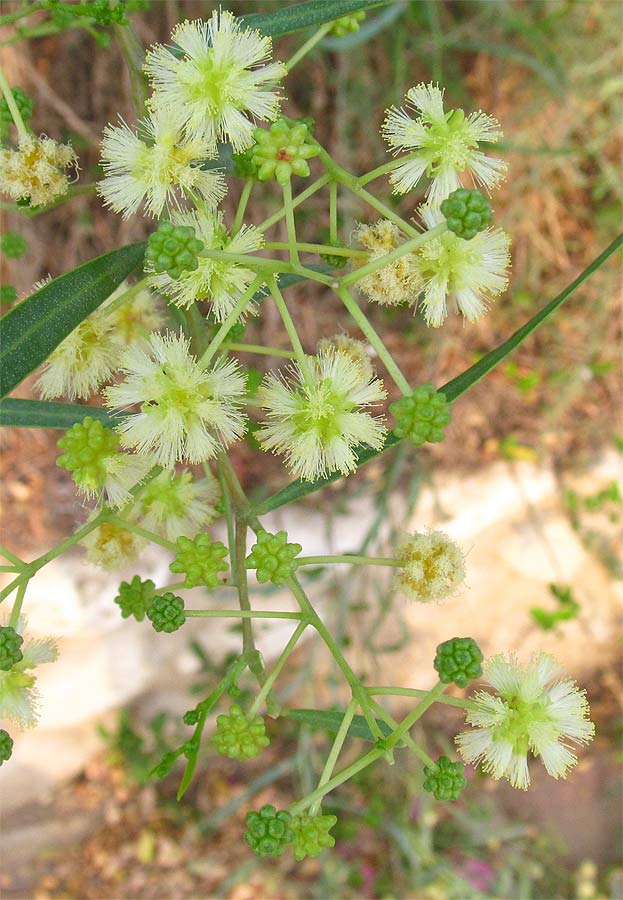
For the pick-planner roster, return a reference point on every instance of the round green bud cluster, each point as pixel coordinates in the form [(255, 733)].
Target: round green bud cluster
[(24, 104), (13, 244), (422, 417), (244, 166), (272, 557), (135, 598), (200, 559), (166, 612), (337, 262), (458, 660), (268, 831), (467, 212), (282, 151), (346, 24), (190, 717), (10, 643), (6, 746), (173, 249), (445, 780), (237, 736), (87, 445), (8, 293), (311, 835)]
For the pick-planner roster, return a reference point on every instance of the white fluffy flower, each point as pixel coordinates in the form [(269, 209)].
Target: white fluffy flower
[(35, 170), (86, 358), (19, 697), (157, 166), (219, 84), (468, 275), (217, 280), (319, 425), (111, 546), (177, 505), (188, 413), (433, 566), (535, 710), (442, 144)]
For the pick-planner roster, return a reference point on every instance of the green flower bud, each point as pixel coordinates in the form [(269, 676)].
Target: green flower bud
[(346, 24), (273, 557), (467, 212), (200, 559), (421, 417), (10, 643), (166, 613), (458, 660), (445, 780), (135, 598), (13, 244), (282, 151), (87, 445), (6, 746), (311, 835), (173, 249), (237, 736), (337, 262), (268, 831)]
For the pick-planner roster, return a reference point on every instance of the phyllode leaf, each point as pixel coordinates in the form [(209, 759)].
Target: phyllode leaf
[(297, 16)]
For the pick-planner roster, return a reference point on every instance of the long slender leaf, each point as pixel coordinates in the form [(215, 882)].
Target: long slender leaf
[(452, 389), (303, 15), (31, 330), (43, 414), (330, 720)]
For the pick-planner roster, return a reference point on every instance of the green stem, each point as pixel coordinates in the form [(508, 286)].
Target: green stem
[(313, 188), (415, 714), (333, 212), (240, 613), (142, 532), (332, 758), (127, 295), (43, 560), (309, 44), (251, 262), (17, 606), (351, 182), (194, 326), (410, 743), (412, 692), (242, 205), (290, 223), (76, 191), (229, 518), (9, 18), (13, 108), (241, 304), (350, 558), (381, 350), (4, 593), (290, 328), (408, 247), (10, 569), (12, 557), (381, 170), (259, 349), (318, 249), (268, 684), (362, 763), (133, 55)]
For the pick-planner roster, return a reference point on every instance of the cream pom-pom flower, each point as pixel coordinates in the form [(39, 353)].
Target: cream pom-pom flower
[(34, 171), (433, 566), (219, 84)]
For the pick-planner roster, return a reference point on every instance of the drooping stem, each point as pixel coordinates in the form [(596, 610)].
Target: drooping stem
[(332, 758), (381, 350)]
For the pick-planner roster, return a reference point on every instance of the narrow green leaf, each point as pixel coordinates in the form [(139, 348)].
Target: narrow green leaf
[(43, 414), (330, 720), (453, 389), (31, 330), (303, 15)]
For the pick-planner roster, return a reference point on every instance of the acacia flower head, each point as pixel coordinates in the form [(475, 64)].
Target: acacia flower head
[(156, 166), (220, 83), (19, 697), (188, 412), (111, 546), (433, 566), (355, 351), (399, 281), (135, 319), (217, 280), (442, 144), (34, 171), (467, 275), (319, 422), (86, 358), (177, 505), (535, 710)]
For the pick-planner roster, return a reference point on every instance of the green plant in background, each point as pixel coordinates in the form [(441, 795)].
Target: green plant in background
[(181, 394)]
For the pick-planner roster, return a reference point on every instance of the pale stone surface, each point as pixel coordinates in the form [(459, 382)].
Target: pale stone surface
[(508, 519)]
